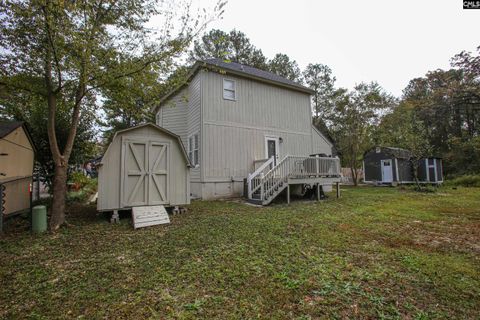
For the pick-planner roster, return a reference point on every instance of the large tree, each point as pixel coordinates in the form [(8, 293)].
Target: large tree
[(33, 110), (320, 79), (232, 46), (357, 113), (448, 104), (75, 47), (282, 65), (403, 129)]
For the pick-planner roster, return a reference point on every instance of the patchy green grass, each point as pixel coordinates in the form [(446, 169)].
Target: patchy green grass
[(374, 253)]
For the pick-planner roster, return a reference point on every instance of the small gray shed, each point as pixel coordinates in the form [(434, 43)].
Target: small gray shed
[(388, 165), (143, 165)]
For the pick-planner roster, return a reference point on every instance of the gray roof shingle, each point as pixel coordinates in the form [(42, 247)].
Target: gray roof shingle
[(8, 126), (251, 71), (219, 65)]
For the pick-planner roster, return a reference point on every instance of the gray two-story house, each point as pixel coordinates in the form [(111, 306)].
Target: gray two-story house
[(238, 122)]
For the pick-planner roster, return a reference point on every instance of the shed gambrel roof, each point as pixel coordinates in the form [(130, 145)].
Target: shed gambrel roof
[(241, 70), (394, 152), (167, 132), (7, 127), (397, 152)]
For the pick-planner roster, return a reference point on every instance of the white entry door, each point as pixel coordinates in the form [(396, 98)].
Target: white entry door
[(387, 173), (271, 148)]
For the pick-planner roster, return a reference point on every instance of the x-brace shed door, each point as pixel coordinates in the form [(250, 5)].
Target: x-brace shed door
[(134, 173), (158, 173), (145, 179)]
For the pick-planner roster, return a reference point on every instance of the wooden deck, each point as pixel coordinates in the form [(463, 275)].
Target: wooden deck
[(268, 181)]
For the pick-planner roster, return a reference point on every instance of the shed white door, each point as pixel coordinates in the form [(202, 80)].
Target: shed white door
[(387, 175), (145, 173)]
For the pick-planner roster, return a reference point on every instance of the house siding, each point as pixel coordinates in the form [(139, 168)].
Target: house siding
[(230, 151), (194, 121), (257, 105), (234, 131), (320, 143), (181, 114), (173, 115)]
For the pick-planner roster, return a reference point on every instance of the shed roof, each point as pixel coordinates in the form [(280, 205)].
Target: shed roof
[(8, 126), (393, 151), (163, 130), (254, 72), (398, 152), (221, 65)]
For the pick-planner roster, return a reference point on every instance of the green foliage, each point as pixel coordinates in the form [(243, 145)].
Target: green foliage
[(463, 156), (448, 105), (79, 178), (403, 129), (232, 46), (356, 115), (373, 253), (282, 65), (319, 78), (33, 110), (86, 187), (464, 181), (78, 49)]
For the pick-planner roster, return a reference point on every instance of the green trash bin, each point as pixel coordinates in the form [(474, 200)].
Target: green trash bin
[(39, 219)]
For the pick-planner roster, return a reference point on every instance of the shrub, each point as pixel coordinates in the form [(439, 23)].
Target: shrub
[(79, 179), (464, 181)]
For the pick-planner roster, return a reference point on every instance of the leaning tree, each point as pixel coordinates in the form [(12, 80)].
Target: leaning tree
[(78, 47)]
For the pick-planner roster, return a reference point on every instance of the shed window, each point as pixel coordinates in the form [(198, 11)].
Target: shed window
[(193, 148), (229, 92)]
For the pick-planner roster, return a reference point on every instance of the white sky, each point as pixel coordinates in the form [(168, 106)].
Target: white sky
[(386, 41)]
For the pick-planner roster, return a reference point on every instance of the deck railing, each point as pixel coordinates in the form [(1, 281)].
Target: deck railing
[(254, 179), (290, 167)]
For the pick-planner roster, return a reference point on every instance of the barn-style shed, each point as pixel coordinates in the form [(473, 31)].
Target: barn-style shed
[(17, 155), (143, 165), (389, 165)]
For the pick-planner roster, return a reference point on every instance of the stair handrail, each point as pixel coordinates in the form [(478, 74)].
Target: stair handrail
[(259, 171), (271, 181), (283, 170)]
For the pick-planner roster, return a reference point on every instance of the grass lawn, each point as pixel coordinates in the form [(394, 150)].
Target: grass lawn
[(374, 253)]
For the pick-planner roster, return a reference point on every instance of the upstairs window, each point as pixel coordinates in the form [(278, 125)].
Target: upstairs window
[(193, 148), (229, 92)]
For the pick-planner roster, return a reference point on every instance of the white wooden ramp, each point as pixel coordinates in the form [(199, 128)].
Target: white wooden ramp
[(149, 216)]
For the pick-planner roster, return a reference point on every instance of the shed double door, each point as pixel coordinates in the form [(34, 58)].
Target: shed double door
[(144, 173)]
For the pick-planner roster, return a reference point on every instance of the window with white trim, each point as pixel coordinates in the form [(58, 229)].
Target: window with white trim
[(229, 92), (158, 119), (193, 149)]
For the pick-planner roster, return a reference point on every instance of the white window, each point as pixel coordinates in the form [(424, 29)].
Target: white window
[(229, 90), (193, 149), (158, 119)]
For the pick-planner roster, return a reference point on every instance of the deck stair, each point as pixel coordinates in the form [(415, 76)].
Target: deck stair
[(269, 180)]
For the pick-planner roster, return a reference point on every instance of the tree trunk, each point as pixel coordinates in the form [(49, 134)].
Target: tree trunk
[(415, 174), (59, 196), (354, 176), (353, 167)]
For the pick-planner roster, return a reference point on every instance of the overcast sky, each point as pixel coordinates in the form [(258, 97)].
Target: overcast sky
[(386, 41)]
